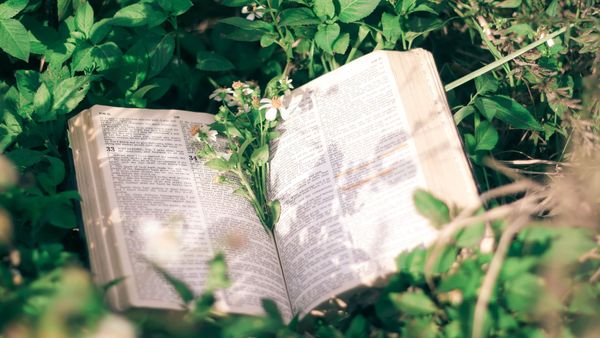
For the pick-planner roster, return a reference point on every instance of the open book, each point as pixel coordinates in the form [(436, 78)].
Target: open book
[(361, 139)]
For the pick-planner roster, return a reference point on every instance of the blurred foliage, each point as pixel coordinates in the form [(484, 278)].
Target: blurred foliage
[(538, 115)]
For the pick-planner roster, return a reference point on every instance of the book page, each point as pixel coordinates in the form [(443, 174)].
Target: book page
[(165, 208), (345, 170)]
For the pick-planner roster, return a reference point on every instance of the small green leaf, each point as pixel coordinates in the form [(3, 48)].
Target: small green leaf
[(326, 36), (470, 236), (10, 8), (161, 54), (298, 17), (260, 155), (522, 293), (183, 290), (14, 39), (84, 18), (324, 8), (275, 207), (486, 83), (217, 273), (413, 303), (247, 24), (507, 110), (176, 7), (435, 210), (462, 113), (486, 136), (211, 61), (354, 10)]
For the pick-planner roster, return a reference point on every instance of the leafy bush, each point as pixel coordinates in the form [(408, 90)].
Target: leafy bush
[(526, 267)]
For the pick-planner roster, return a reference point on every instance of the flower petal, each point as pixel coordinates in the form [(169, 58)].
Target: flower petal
[(271, 114)]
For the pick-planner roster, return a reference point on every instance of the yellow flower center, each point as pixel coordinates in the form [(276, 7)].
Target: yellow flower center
[(276, 103)]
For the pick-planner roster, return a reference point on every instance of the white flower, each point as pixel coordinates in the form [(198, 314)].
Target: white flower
[(273, 106), (221, 94), (162, 244), (286, 82), (210, 134), (253, 11), (112, 326)]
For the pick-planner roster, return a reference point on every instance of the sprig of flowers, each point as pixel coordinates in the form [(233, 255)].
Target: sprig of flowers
[(247, 123)]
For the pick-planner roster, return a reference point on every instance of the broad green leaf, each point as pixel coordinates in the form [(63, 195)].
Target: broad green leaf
[(359, 327), (326, 36), (522, 293), (218, 164), (298, 17), (24, 158), (53, 176), (28, 82), (486, 136), (10, 8), (435, 210), (260, 155), (470, 236), (507, 110), (82, 57), (177, 7), (211, 61), (324, 8), (247, 24), (69, 93), (9, 130), (509, 4), (84, 18), (14, 39), (341, 43), (404, 7), (486, 83), (391, 26), (42, 102), (413, 303), (99, 30), (139, 14), (161, 54), (106, 56), (354, 10)]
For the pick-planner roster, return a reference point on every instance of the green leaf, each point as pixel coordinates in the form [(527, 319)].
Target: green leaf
[(324, 8), (326, 36), (183, 290), (486, 136), (176, 7), (69, 93), (24, 158), (522, 293), (298, 17), (435, 210), (247, 24), (218, 164), (486, 83), (84, 18), (507, 110), (260, 155), (161, 54), (359, 327), (14, 39), (42, 102), (275, 207), (462, 113), (391, 26), (470, 236), (99, 30), (354, 10), (139, 14), (217, 273), (413, 303), (10, 8), (27, 82), (341, 44), (106, 56), (509, 4), (211, 61)]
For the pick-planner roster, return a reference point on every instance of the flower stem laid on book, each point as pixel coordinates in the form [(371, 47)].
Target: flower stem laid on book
[(248, 122)]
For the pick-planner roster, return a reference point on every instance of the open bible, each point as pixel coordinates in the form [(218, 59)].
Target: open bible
[(358, 143)]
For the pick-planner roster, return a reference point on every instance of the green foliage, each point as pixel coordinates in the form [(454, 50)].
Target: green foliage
[(59, 57)]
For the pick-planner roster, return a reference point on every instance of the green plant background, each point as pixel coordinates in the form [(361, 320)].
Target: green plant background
[(538, 114)]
